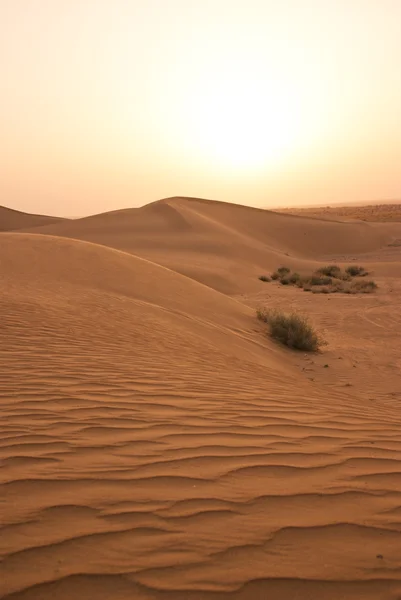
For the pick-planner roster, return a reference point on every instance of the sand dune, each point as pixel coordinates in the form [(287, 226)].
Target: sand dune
[(156, 445), (387, 212), (222, 245), (12, 220)]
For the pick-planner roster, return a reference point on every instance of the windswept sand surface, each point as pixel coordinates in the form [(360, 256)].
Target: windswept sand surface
[(155, 444), (373, 212)]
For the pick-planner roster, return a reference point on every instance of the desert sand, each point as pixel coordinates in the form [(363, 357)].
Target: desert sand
[(11, 220), (157, 444), (387, 212)]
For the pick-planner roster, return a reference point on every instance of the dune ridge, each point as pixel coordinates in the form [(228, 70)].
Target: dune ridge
[(156, 444), (224, 245), (13, 220)]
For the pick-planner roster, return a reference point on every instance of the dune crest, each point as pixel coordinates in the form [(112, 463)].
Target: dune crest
[(13, 220), (224, 246)]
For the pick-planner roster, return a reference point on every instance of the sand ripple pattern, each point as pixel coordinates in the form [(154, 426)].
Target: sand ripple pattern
[(140, 460)]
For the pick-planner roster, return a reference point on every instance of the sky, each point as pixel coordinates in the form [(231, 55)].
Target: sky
[(107, 104)]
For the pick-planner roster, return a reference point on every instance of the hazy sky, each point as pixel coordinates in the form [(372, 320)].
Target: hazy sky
[(106, 104)]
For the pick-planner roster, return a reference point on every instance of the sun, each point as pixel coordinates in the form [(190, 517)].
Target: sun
[(246, 122)]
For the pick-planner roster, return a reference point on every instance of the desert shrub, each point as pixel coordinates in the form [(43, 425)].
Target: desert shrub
[(327, 280), (356, 271), (338, 285), (264, 278), (319, 280), (344, 276), (330, 271), (262, 314), (292, 330), (362, 286)]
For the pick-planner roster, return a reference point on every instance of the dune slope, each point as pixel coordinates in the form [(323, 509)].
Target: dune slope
[(155, 445), (13, 220), (223, 245)]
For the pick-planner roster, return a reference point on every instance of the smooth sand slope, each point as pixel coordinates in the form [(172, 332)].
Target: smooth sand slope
[(223, 245), (13, 220), (156, 445)]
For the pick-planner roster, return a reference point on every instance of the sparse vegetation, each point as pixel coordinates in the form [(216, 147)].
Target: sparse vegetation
[(330, 271), (362, 286), (292, 330), (318, 280), (343, 276), (329, 279), (356, 271), (264, 278)]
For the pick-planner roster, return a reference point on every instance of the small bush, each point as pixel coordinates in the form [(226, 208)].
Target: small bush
[(264, 278), (262, 314), (330, 271), (318, 280), (362, 286), (338, 285), (327, 280), (356, 271), (292, 330)]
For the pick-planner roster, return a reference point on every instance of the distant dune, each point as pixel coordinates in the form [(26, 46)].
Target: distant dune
[(388, 212), (12, 220), (156, 444), (222, 245)]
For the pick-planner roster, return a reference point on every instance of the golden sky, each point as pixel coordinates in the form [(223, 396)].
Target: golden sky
[(107, 104)]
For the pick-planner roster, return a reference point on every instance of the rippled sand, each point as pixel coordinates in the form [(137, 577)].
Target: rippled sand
[(155, 444)]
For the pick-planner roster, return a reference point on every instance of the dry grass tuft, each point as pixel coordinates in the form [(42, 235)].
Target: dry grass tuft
[(291, 329), (356, 271), (362, 286), (329, 279), (330, 271)]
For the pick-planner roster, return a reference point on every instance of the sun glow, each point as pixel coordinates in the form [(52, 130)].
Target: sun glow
[(244, 122)]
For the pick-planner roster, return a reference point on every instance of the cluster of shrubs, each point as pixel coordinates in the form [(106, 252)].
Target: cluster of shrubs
[(292, 330), (326, 280)]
